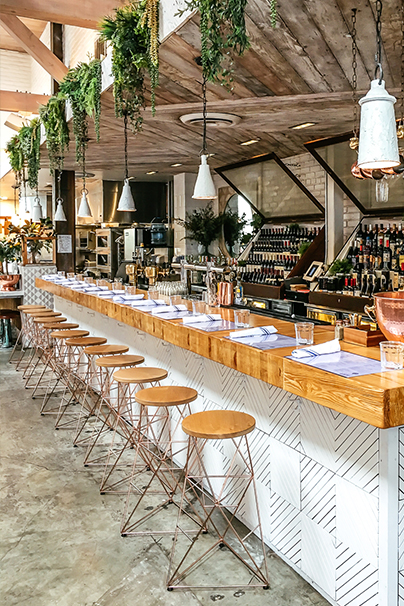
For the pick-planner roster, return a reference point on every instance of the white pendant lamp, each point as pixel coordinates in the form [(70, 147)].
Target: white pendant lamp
[(84, 208), (126, 201), (60, 213), (378, 144), (37, 210), (204, 187)]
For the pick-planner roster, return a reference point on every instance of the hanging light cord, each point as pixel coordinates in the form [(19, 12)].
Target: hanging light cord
[(402, 66), (59, 179), (378, 56), (84, 171), (205, 115), (354, 73), (125, 130)]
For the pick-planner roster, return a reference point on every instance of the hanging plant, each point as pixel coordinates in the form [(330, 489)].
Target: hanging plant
[(15, 156), (53, 117), (30, 139), (133, 33), (82, 87)]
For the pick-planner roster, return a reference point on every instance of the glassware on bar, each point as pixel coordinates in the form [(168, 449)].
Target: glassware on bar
[(304, 333), (242, 318), (175, 299), (130, 290), (79, 277), (153, 293), (89, 280), (117, 285), (198, 307), (70, 274), (391, 355)]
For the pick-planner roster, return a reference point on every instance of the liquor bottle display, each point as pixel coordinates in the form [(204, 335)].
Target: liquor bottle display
[(374, 263), (274, 253)]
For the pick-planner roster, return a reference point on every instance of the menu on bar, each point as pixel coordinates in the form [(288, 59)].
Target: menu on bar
[(343, 364)]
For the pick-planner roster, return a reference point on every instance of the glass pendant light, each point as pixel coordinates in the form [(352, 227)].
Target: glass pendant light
[(84, 208), (60, 213), (204, 187), (378, 144), (126, 201)]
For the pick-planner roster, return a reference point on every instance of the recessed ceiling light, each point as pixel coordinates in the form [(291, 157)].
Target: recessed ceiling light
[(250, 141), (303, 125), (152, 172), (175, 165)]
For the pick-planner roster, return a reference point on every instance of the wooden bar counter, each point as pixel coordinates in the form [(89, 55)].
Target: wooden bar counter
[(376, 399), (328, 452)]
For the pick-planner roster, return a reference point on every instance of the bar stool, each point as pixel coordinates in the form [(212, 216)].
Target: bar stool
[(159, 442), (220, 497), (6, 315), (59, 363), (22, 333), (93, 385), (40, 344), (27, 321), (76, 378), (105, 367), (125, 414)]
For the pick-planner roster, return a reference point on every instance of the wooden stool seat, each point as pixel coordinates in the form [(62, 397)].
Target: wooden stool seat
[(43, 314), (103, 350), (218, 424), (145, 374), (84, 341), (50, 320), (69, 334), (28, 307), (8, 314), (166, 395), (55, 326), (119, 361)]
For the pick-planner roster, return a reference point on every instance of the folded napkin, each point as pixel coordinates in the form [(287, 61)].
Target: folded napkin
[(329, 347), (118, 292), (150, 302), (106, 294), (259, 331), (132, 297), (202, 318), (168, 309)]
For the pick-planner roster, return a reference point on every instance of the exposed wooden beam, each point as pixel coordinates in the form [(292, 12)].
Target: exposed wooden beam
[(12, 101), (74, 12), (33, 46)]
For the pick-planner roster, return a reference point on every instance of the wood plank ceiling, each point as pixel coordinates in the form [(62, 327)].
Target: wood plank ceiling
[(298, 72)]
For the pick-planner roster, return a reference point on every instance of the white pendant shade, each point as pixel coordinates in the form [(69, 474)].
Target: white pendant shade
[(378, 144), (126, 201), (204, 187), (84, 209), (36, 211), (60, 213)]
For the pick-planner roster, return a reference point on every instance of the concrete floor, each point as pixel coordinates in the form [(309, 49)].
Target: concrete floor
[(59, 538)]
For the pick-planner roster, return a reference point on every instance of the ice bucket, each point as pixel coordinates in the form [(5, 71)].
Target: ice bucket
[(389, 312)]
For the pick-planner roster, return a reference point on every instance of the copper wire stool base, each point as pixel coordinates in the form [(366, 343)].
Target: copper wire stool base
[(218, 497), (159, 441)]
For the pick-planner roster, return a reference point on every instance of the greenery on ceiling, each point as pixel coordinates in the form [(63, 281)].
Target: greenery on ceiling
[(24, 153), (53, 117), (82, 88), (15, 156), (133, 34)]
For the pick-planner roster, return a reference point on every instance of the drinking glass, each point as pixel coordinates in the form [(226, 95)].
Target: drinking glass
[(391, 355), (70, 274), (89, 280), (304, 333), (61, 274), (79, 277), (175, 300), (118, 285), (153, 293), (198, 307), (242, 318), (130, 289)]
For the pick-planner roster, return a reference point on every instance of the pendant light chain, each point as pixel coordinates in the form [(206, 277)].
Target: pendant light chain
[(354, 73), (205, 115), (125, 130), (402, 69), (378, 56)]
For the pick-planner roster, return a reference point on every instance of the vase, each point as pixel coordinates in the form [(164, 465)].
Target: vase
[(9, 282)]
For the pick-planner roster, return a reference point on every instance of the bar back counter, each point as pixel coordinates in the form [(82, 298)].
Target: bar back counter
[(328, 451)]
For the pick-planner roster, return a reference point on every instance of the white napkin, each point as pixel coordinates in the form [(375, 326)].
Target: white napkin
[(106, 294), (132, 297), (150, 302), (202, 318), (259, 331), (329, 347), (168, 309)]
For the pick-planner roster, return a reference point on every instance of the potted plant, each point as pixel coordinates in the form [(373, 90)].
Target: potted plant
[(10, 252), (202, 226), (233, 227), (34, 236)]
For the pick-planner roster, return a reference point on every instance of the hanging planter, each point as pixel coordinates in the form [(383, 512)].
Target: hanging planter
[(53, 117), (133, 34), (24, 153)]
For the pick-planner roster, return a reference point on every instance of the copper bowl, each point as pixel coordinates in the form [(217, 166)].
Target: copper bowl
[(389, 310), (8, 282)]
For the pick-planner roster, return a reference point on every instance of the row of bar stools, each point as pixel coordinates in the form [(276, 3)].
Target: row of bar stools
[(126, 418), (30, 349), (105, 367), (40, 342)]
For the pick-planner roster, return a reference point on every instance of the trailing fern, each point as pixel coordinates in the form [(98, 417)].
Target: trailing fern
[(53, 117)]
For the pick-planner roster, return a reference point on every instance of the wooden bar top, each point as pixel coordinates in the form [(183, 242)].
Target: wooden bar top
[(376, 399)]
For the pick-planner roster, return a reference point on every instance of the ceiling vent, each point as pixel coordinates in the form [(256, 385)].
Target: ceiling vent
[(212, 119)]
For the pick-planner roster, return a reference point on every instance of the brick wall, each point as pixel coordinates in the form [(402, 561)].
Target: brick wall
[(310, 173)]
